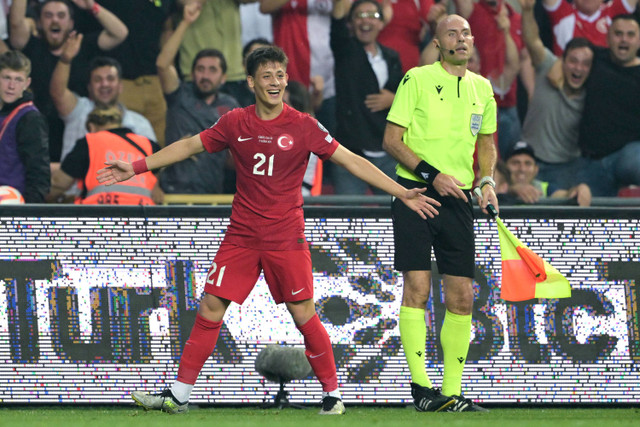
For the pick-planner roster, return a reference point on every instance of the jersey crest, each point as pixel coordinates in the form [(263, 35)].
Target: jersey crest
[(285, 142)]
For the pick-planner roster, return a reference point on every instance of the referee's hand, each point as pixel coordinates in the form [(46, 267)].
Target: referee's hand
[(448, 185)]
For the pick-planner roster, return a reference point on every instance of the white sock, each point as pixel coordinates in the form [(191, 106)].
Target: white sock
[(335, 393), (181, 391)]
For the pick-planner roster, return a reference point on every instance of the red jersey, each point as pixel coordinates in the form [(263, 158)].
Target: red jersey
[(271, 158), (301, 28), (402, 34), (489, 41), (568, 23)]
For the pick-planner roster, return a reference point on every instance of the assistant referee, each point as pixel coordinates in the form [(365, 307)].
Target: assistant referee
[(439, 114)]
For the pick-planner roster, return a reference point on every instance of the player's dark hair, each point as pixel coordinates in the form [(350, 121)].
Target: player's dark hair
[(210, 53), (576, 43), (66, 2), (359, 2), (264, 55), (16, 61), (105, 61)]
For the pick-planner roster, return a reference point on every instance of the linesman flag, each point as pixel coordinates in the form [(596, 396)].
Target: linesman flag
[(524, 274)]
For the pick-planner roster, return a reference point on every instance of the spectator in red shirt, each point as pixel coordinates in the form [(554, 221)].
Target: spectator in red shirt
[(583, 18), (492, 48)]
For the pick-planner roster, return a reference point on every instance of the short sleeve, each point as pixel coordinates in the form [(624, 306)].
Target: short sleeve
[(405, 101), (216, 137), (490, 115), (320, 141)]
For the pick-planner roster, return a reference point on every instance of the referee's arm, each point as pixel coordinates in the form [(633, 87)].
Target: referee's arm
[(445, 185), (393, 144), (487, 158)]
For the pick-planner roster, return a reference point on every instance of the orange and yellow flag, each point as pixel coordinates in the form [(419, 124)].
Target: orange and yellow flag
[(524, 274)]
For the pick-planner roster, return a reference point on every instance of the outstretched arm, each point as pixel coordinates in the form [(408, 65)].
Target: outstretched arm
[(167, 72), (114, 31), (512, 56), (19, 28), (366, 171), (531, 32), (118, 170), (63, 99)]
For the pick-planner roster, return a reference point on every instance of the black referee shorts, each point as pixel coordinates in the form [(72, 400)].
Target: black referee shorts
[(450, 234)]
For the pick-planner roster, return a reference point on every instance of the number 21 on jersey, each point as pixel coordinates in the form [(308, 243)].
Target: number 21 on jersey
[(264, 164)]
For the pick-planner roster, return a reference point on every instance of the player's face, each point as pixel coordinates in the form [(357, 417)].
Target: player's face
[(269, 83), (56, 23), (576, 66), (366, 23), (105, 86), (208, 76), (624, 40), (12, 85), (454, 40), (523, 168)]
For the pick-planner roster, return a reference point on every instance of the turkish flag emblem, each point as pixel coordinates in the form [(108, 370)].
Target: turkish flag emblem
[(285, 142)]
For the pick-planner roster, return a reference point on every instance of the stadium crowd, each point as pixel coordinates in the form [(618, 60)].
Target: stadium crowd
[(566, 79)]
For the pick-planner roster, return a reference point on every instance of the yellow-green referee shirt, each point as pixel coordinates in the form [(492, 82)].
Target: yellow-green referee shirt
[(443, 115)]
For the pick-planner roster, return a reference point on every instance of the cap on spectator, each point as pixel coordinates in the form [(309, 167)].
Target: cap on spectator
[(521, 147)]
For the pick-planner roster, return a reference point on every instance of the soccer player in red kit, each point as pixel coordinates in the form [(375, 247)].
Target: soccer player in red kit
[(270, 143)]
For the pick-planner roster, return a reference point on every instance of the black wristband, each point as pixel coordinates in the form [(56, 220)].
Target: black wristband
[(427, 172)]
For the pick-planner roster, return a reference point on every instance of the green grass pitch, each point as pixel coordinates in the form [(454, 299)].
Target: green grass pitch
[(356, 416)]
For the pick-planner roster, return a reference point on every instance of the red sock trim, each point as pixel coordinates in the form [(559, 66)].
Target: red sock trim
[(320, 353), (198, 348)]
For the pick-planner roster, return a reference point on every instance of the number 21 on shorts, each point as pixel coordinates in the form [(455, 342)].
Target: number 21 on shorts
[(212, 273)]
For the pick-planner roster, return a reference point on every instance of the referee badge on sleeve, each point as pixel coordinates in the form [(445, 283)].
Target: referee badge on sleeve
[(476, 123)]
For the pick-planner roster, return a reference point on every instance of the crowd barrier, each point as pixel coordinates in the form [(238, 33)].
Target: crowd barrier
[(98, 301)]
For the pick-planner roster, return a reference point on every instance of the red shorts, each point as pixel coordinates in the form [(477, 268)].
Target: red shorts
[(235, 271)]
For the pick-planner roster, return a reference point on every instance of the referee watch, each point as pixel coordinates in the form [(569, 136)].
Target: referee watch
[(486, 180)]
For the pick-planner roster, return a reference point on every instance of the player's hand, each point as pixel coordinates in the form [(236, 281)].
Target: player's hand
[(489, 196), (419, 203), (116, 171), (448, 185), (379, 101), (526, 192)]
